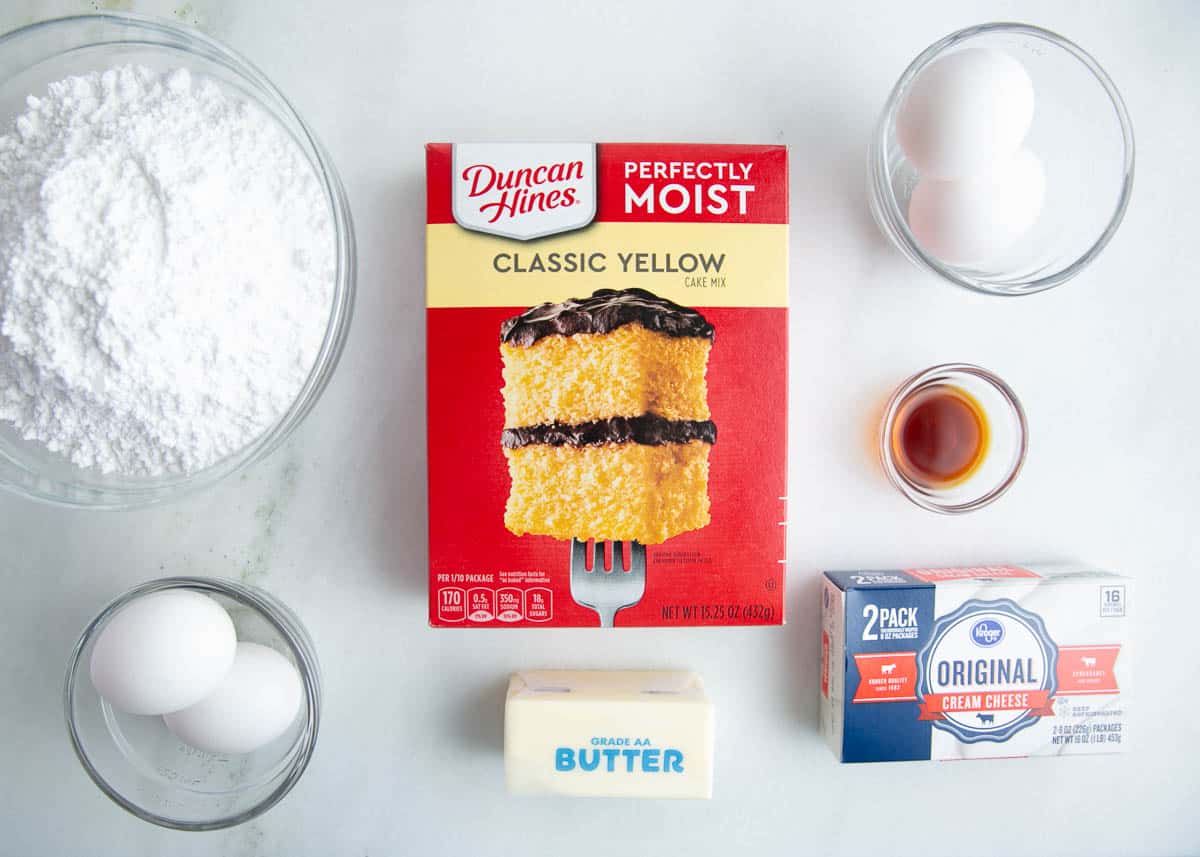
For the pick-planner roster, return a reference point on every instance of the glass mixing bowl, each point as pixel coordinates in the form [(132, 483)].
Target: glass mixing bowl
[(37, 55), (1082, 135), (138, 763)]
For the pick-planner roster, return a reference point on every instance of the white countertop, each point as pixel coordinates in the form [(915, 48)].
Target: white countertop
[(408, 760)]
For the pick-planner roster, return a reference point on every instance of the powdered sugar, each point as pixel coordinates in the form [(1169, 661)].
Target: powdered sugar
[(167, 261)]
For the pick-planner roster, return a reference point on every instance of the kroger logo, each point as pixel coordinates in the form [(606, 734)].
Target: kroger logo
[(987, 633), (987, 695)]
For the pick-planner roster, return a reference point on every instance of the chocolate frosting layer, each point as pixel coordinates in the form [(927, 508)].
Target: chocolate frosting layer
[(605, 311), (648, 430)]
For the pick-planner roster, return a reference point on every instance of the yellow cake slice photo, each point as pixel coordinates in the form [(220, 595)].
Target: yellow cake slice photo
[(594, 376), (607, 428)]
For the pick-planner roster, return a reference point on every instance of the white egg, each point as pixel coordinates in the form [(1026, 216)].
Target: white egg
[(964, 112), (970, 221), (162, 652), (253, 706)]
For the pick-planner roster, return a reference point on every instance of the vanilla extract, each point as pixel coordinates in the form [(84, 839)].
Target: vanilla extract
[(941, 436)]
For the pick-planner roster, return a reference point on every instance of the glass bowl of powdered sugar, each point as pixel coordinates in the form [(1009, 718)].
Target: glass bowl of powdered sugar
[(177, 262)]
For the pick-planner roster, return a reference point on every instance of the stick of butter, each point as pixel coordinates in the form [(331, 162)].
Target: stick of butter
[(602, 733)]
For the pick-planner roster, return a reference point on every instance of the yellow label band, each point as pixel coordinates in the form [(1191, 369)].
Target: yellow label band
[(694, 264)]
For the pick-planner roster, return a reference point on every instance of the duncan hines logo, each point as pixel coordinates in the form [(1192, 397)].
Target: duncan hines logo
[(524, 190)]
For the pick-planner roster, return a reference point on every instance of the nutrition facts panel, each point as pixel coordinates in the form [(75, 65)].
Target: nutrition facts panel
[(482, 604)]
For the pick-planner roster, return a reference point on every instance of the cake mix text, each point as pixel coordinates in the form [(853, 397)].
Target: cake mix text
[(598, 262)]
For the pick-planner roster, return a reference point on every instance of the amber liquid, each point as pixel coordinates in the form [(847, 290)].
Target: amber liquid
[(939, 437)]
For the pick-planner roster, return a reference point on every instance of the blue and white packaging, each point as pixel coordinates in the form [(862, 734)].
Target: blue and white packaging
[(973, 663)]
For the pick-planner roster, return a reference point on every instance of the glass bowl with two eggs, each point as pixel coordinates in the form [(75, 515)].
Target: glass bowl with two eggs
[(1003, 159)]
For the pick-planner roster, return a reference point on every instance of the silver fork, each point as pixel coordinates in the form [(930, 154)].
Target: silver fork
[(607, 592)]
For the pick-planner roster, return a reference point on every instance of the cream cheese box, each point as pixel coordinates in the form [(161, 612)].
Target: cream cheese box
[(977, 662), (599, 733)]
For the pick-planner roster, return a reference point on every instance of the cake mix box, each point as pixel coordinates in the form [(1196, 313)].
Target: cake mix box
[(971, 663), (607, 384)]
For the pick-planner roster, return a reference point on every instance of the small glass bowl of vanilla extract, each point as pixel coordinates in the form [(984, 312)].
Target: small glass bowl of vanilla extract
[(953, 438)]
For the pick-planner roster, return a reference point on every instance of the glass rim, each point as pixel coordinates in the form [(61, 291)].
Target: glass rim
[(279, 617), (884, 199), (947, 371)]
